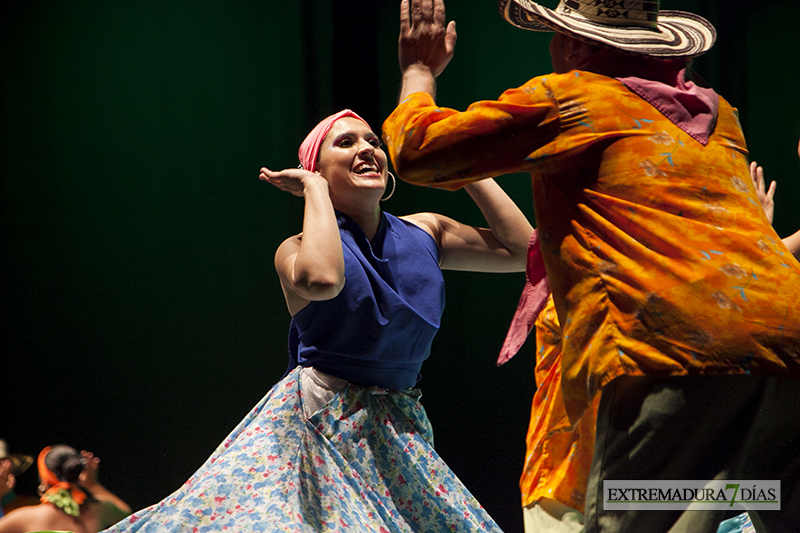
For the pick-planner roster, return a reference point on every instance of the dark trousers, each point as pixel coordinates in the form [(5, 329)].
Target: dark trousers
[(696, 428)]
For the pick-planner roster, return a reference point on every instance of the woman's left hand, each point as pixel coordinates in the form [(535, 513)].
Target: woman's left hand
[(764, 196)]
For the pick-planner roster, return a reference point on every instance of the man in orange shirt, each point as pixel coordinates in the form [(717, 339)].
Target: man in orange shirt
[(679, 305), (558, 455)]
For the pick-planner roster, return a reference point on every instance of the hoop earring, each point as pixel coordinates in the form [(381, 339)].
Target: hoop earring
[(394, 186)]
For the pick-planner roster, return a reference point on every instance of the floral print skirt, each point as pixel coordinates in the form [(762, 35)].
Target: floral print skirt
[(363, 463)]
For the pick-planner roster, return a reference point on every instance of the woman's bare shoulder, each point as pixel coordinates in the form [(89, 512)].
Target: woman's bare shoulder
[(39, 517)]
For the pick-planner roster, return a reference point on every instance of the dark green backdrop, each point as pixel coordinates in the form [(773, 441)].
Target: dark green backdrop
[(142, 317)]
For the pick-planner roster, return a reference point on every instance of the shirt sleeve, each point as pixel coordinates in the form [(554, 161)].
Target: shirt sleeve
[(447, 149)]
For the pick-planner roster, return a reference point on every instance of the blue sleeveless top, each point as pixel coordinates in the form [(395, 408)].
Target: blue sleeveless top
[(378, 330)]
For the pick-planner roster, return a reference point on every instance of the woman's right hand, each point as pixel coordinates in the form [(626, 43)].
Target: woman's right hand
[(293, 180)]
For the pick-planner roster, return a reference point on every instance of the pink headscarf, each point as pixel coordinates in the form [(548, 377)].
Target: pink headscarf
[(309, 149)]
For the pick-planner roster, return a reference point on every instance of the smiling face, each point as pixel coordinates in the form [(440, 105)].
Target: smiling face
[(351, 159)]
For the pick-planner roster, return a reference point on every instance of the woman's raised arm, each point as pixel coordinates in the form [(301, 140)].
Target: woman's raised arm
[(310, 265), (500, 248)]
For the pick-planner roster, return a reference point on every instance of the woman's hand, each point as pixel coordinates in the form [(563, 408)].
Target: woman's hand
[(89, 480), (765, 197), (88, 477), (767, 203), (424, 39), (293, 180)]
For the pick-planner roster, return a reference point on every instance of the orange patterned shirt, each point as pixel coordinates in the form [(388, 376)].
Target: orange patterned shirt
[(660, 258), (558, 456)]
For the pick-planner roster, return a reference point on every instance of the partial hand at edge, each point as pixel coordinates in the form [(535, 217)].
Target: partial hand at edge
[(764, 197), (7, 479)]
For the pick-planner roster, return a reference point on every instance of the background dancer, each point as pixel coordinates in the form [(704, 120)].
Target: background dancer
[(72, 498)]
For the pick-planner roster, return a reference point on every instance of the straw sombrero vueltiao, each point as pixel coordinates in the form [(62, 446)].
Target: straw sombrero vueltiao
[(19, 463), (633, 26)]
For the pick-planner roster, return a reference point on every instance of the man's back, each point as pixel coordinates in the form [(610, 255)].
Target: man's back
[(660, 258)]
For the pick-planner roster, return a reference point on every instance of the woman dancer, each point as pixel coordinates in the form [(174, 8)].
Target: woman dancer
[(342, 441), (72, 497)]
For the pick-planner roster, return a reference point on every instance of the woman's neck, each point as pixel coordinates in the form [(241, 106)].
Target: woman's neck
[(367, 219)]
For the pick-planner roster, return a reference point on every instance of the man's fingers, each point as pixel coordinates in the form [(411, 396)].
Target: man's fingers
[(427, 11), (415, 11), (450, 37), (405, 22), (438, 12)]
